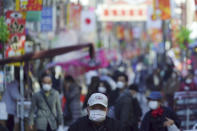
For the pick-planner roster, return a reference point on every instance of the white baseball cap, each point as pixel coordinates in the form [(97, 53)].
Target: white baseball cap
[(98, 98)]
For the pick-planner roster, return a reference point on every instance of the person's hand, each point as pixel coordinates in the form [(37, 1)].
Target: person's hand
[(168, 122), (31, 127)]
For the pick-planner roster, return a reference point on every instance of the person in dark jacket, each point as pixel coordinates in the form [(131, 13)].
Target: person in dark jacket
[(96, 119), (2, 128), (92, 88), (159, 118), (121, 84), (136, 104), (72, 108), (125, 110)]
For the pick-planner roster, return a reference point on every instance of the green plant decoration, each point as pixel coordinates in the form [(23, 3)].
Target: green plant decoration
[(183, 37), (4, 32)]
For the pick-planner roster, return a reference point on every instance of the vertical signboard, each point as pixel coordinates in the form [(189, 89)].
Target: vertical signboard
[(74, 15), (16, 25), (47, 19), (162, 9), (196, 7)]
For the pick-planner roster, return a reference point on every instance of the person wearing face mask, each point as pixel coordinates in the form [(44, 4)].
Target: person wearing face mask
[(121, 85), (104, 87), (72, 107), (127, 108), (46, 105), (96, 120), (188, 84), (159, 118)]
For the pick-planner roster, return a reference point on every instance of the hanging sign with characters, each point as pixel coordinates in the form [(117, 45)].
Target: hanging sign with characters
[(16, 25)]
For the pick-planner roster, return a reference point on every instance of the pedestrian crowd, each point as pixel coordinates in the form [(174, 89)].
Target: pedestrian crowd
[(114, 100)]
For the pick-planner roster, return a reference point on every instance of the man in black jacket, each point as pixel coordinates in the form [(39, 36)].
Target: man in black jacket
[(96, 119), (159, 118), (127, 109)]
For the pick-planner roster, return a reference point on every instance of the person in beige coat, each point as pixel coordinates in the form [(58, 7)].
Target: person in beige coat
[(46, 117)]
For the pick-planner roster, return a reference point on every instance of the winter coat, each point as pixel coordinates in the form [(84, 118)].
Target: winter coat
[(11, 96), (151, 123), (72, 110), (84, 124), (114, 96), (2, 128), (43, 114), (127, 110)]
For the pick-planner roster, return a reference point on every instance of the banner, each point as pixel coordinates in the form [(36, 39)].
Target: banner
[(88, 21), (123, 12), (47, 19), (28, 5), (74, 15), (196, 7), (162, 9), (16, 25), (164, 6), (2, 76)]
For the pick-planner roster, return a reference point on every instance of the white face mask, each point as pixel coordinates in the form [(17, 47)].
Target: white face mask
[(120, 84), (97, 115), (156, 80), (153, 105), (46, 87), (188, 81), (102, 89)]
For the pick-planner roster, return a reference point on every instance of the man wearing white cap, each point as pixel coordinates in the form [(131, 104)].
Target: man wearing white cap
[(96, 119)]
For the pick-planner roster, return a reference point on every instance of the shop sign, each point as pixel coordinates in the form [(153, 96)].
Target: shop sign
[(123, 12), (28, 5)]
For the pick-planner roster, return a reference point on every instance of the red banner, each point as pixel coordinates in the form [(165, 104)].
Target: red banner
[(164, 6), (16, 25)]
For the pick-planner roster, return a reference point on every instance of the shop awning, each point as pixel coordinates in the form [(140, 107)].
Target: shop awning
[(48, 53)]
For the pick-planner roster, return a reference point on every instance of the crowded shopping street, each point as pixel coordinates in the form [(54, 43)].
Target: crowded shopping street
[(98, 65)]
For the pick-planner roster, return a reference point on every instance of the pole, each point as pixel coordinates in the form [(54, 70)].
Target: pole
[(1, 7), (22, 97), (164, 29)]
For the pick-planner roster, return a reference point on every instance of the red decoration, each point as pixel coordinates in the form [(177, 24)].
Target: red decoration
[(131, 12), (106, 12), (16, 25), (123, 12), (88, 21), (140, 12), (34, 5), (115, 12)]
